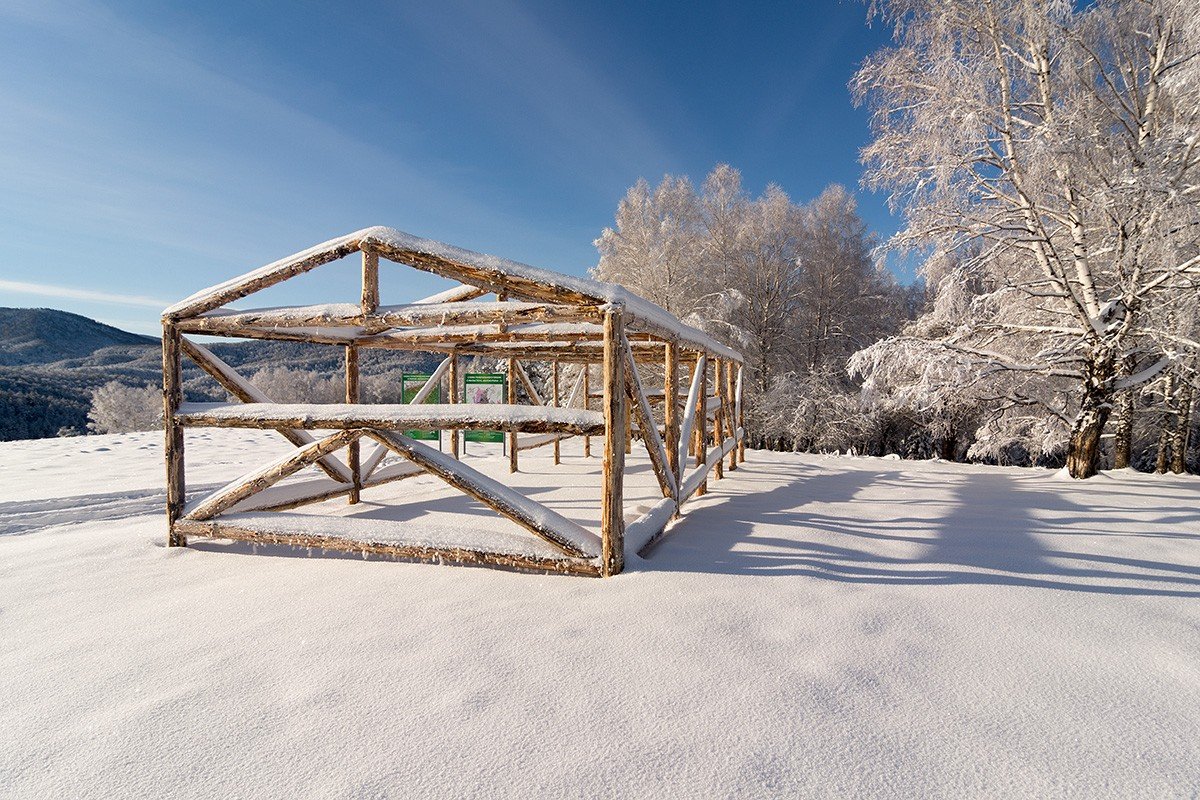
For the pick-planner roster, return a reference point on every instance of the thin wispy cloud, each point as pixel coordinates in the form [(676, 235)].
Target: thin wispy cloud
[(72, 293)]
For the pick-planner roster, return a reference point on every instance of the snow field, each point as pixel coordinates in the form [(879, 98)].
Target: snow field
[(814, 626)]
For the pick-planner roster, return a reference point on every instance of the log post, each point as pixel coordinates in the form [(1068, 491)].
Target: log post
[(739, 413), (587, 404), (671, 409), (702, 427), (554, 399), (512, 400), (453, 397), (719, 416), (370, 282), (353, 455), (173, 432), (612, 514)]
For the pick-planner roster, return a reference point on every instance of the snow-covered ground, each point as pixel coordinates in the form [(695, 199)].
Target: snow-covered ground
[(812, 627)]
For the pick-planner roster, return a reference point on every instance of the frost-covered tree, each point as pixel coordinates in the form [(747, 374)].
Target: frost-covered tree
[(288, 385), (792, 286), (117, 408), (655, 248), (1051, 154)]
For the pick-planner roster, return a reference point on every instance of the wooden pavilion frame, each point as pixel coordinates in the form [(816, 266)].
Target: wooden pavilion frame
[(538, 315)]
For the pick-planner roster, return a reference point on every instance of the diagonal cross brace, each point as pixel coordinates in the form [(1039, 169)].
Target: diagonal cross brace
[(570, 537)]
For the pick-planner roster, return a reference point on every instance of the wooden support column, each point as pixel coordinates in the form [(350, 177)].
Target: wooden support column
[(554, 399), (587, 404), (453, 397), (719, 416), (702, 427), (671, 409), (612, 511), (370, 282), (512, 400), (173, 431), (353, 454)]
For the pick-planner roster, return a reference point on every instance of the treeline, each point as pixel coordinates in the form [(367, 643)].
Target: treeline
[(793, 286)]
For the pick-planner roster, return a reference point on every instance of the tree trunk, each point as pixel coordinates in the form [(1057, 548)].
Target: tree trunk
[(1083, 448), (1167, 426), (1123, 443), (1183, 422), (947, 448)]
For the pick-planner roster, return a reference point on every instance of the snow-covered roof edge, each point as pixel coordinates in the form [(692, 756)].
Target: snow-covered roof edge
[(398, 242)]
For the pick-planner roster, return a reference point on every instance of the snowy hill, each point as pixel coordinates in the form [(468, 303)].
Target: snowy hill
[(813, 627), (46, 335), (51, 361)]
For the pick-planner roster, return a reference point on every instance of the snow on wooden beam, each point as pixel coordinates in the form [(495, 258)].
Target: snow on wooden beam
[(271, 274), (649, 428), (283, 497), (700, 474), (427, 416), (247, 392), (408, 552), (455, 294), (534, 442), (689, 414), (382, 318), (647, 529), (259, 479), (570, 537)]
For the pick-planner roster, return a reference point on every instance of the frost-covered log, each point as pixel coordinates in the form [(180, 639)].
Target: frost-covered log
[(426, 417), (568, 536), (270, 474)]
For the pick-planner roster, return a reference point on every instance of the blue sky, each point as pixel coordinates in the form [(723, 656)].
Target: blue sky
[(148, 150)]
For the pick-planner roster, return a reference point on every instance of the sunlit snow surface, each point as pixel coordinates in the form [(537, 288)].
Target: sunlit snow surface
[(814, 626)]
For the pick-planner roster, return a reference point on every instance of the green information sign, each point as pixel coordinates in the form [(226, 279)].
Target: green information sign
[(483, 387), (409, 386)]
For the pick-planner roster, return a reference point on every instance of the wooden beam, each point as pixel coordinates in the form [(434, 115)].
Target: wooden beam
[(389, 474), (570, 537), (587, 404), (555, 400), (172, 362), (612, 508), (644, 532), (719, 416), (247, 392), (689, 416), (741, 417), (702, 423), (370, 282), (649, 428), (671, 408), (259, 279), (455, 294), (453, 398), (426, 417), (255, 481), (352, 396), (512, 401), (727, 398), (406, 552)]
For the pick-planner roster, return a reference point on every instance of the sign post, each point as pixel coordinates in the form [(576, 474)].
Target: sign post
[(409, 386), (483, 387)]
